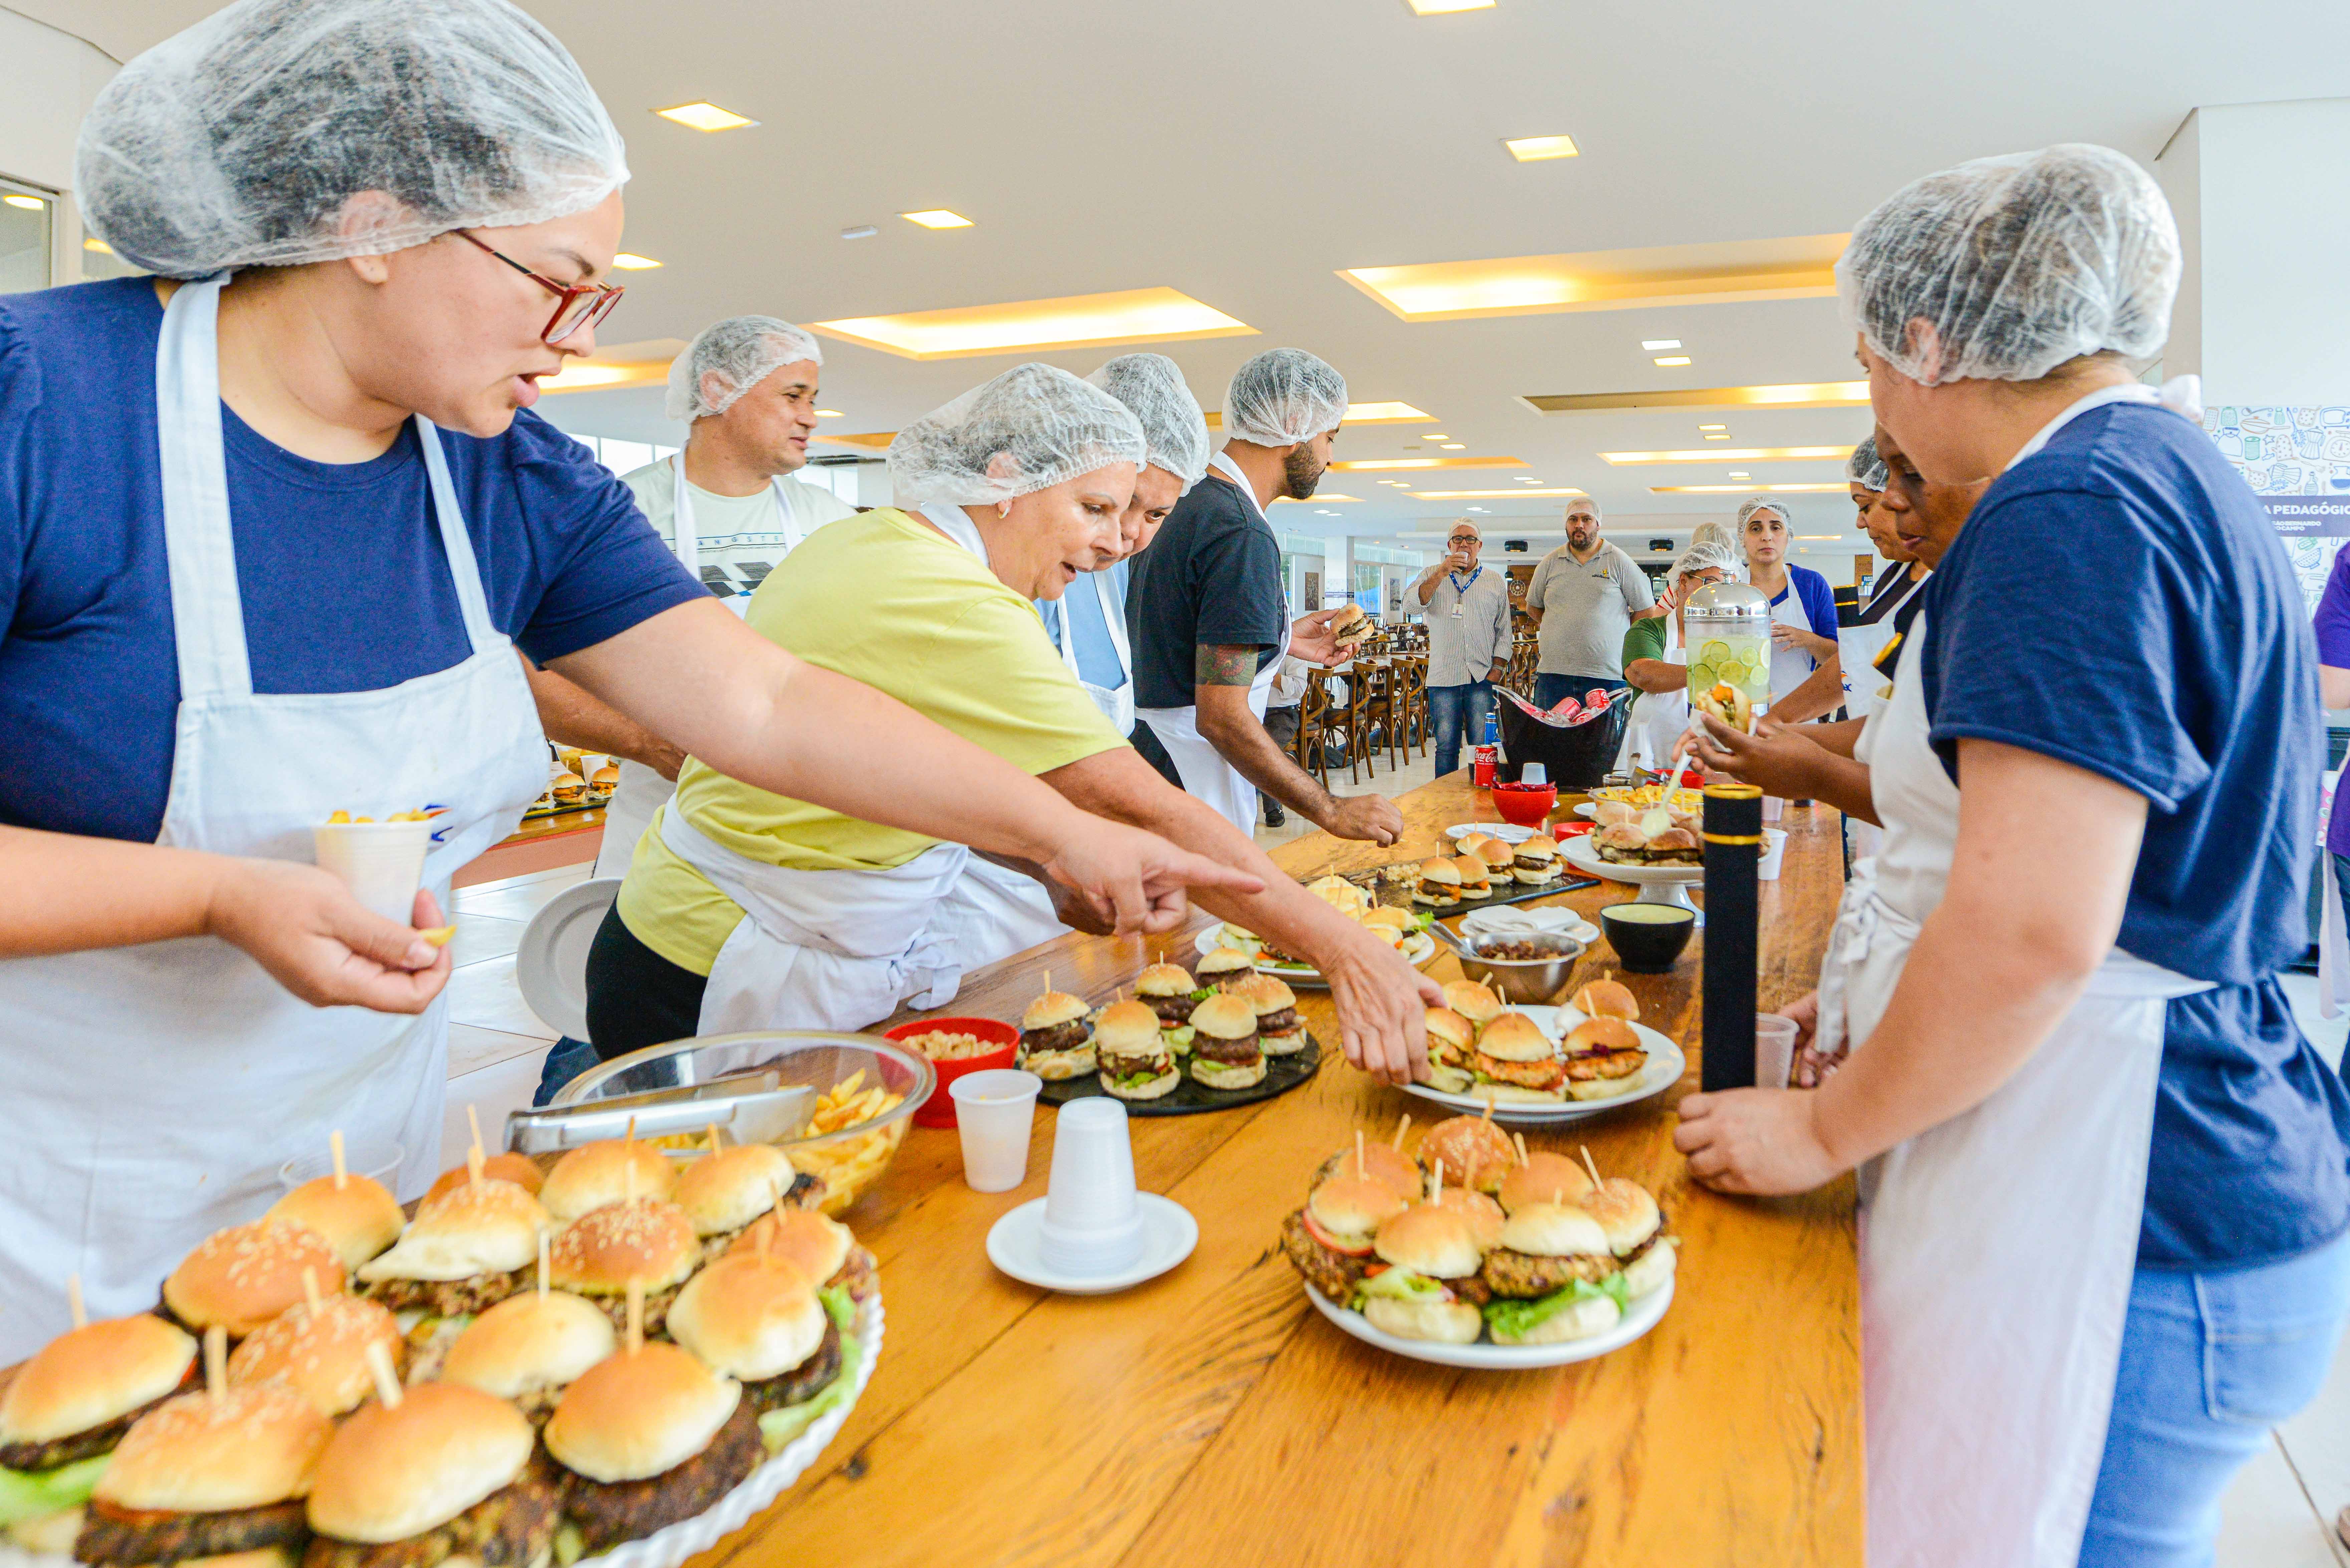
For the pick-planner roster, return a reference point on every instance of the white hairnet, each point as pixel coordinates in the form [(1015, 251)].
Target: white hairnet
[(743, 351), (1864, 467), (1152, 387), (1720, 533), (1752, 505), (239, 141), (2018, 263), (1031, 428), (1705, 555), (1282, 397)]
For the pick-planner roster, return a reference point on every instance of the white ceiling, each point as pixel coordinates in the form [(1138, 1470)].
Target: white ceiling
[(1243, 152)]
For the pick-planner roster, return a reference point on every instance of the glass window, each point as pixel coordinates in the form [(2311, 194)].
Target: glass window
[(99, 260), (24, 215)]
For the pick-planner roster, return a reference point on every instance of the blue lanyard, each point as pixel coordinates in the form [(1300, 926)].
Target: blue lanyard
[(1460, 587)]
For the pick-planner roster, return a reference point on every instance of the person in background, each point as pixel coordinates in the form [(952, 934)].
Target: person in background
[(2332, 631), (1207, 618), (1468, 639), (1176, 433), (2107, 1238), (1655, 657), (1284, 708), (1803, 606), (1893, 598), (1584, 596)]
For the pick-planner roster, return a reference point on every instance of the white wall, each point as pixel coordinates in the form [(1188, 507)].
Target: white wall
[(48, 81)]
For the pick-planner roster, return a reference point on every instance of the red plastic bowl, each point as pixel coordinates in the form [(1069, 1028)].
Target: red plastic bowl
[(1525, 805), (938, 1110)]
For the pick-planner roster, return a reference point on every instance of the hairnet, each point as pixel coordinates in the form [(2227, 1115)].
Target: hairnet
[(1282, 397), (1721, 533), (1031, 428), (1705, 555), (1752, 505), (743, 351), (1864, 467), (2018, 263), (239, 141), (1151, 386)]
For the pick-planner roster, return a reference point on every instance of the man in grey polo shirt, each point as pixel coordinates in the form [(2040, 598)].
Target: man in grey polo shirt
[(1468, 639), (1585, 596)]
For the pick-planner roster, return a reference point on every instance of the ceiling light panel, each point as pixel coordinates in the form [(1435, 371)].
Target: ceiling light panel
[(1396, 465), (864, 441), (1793, 395), (1534, 148), (1446, 7), (1654, 344), (1667, 361), (30, 204), (1491, 494), (700, 116), (629, 261), (1800, 268), (1731, 455), (1745, 489), (1032, 326), (936, 218)]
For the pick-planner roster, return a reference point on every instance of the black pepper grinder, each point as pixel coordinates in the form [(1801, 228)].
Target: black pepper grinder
[(1733, 845)]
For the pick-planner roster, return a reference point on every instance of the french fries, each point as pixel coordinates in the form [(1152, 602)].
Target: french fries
[(853, 1164)]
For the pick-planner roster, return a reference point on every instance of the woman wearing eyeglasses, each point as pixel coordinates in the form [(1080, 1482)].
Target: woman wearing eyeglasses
[(271, 525)]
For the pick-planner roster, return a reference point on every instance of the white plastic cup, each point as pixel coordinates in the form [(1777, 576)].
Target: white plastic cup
[(1092, 1224), (1775, 850), (1534, 774), (381, 862), (376, 1158), (1773, 807), (1775, 1049), (994, 1113)]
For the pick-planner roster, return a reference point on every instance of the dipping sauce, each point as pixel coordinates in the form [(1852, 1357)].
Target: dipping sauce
[(1653, 914)]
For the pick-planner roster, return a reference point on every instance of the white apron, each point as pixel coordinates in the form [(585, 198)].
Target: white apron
[(1205, 773), (1790, 667), (155, 1090), (1857, 647), (1117, 704), (1654, 728)]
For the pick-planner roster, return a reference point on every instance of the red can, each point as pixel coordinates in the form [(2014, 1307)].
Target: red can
[(1482, 763)]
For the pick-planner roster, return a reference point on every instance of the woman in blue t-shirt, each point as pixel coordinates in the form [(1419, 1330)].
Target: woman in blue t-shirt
[(2106, 1180), (1803, 606), (268, 542)]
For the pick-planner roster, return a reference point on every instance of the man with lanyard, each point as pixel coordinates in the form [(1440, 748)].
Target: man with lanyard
[(1468, 638), (1209, 623), (1088, 624), (1585, 596)]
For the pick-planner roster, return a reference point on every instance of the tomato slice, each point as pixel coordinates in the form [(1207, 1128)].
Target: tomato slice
[(1319, 1234)]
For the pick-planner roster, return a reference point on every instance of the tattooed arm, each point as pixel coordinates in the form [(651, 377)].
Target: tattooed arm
[(1220, 676)]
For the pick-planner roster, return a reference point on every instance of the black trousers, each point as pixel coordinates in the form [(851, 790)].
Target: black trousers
[(636, 998), (1147, 746)]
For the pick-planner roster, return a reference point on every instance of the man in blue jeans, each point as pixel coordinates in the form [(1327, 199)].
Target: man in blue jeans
[(1468, 639)]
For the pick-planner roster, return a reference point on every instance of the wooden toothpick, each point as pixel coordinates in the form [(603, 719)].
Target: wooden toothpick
[(310, 1288), (712, 1130), (334, 1143), (73, 1301), (1588, 1166), (473, 1120), (630, 1137), (473, 1164), (387, 1381), (636, 1316), (1524, 1157), (216, 1361), (1361, 1168), (544, 1284), (1488, 1107), (1401, 1127), (1437, 1190)]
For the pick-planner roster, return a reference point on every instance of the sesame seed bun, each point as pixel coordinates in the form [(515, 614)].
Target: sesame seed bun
[(1127, 1029), (1484, 1216), (1225, 1017), (1626, 1213), (242, 1277), (1475, 1152), (633, 1415), (393, 1472), (1430, 1240), (92, 1376), (249, 1447), (1545, 1178), (1164, 979), (482, 1228), (360, 1219), (1606, 998), (600, 1173), (727, 1190), (602, 1252), (818, 1245), (321, 1355), (518, 1168), (750, 1316), (530, 1342)]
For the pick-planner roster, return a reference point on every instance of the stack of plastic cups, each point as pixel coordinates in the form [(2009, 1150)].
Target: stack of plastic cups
[(382, 862), (1092, 1224)]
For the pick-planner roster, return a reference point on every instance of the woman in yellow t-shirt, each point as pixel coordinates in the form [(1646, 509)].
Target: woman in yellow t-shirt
[(746, 909)]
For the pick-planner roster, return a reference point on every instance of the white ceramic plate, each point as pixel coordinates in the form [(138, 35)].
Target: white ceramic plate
[(1418, 949), (1586, 809), (1647, 1312), (1169, 1234), (1507, 831), (1664, 1067), (1577, 852), (1521, 920), (551, 961)]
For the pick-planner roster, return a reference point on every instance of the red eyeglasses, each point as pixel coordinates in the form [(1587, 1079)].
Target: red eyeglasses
[(576, 305)]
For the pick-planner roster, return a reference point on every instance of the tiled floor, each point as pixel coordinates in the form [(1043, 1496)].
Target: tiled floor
[(2279, 1514)]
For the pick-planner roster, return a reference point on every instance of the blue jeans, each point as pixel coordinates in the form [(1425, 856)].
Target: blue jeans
[(565, 1060), (1456, 711), (2210, 1362), (1549, 689)]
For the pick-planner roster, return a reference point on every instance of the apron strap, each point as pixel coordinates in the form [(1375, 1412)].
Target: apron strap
[(684, 542), (464, 569), (199, 548)]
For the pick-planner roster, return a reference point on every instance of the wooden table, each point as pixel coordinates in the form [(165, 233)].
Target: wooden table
[(1212, 1419), (540, 844)]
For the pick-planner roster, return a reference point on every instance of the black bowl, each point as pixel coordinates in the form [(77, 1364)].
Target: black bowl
[(1647, 947)]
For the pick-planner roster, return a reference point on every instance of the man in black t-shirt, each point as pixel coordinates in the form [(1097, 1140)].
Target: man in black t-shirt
[(1207, 618)]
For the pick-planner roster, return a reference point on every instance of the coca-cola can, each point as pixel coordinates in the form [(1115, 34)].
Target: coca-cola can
[(1482, 763)]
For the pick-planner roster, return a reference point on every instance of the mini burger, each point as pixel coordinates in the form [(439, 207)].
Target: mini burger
[(650, 1436), (1352, 628), (1499, 856), (448, 1475), (528, 1348), (1451, 1042), (602, 783), (1553, 1278), (1675, 847), (1473, 1001), (1484, 1216), (321, 1352), (1391, 925), (1475, 1152), (1545, 1178), (357, 1216), (1328, 1241), (67, 1409), (612, 1171), (823, 1249), (1278, 1028), (208, 1474), (1440, 882), (1476, 877), (1380, 1162), (1606, 998), (1622, 844), (567, 788), (518, 1168), (1727, 703), (1535, 861), (467, 1250), (648, 1243), (1222, 968), (1170, 994), (1603, 1054), (756, 1319), (1515, 1061), (1225, 1053), (1056, 1042), (242, 1277), (1429, 1288), (1136, 1060), (1635, 1227), (725, 1192)]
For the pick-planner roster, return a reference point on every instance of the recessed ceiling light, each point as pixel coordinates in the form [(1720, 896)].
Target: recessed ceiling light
[(1030, 326), (1396, 463), (1801, 267), (1476, 509), (1718, 435), (1740, 474), (98, 247), (1446, 7), (582, 378), (1732, 454), (1436, 435), (629, 261), (1455, 446), (1653, 344), (1744, 489), (30, 204), (1665, 361), (831, 414), (1491, 494), (1388, 413), (1534, 149), (700, 116), (1713, 427), (936, 218)]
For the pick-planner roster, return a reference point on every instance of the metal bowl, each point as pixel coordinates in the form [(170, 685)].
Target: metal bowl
[(1521, 980)]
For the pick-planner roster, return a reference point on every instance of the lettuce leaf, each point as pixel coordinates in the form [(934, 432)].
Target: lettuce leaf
[(777, 1427), (1204, 993), (570, 1546), (1401, 1283), (29, 1494), (1505, 1316), (1179, 1040)]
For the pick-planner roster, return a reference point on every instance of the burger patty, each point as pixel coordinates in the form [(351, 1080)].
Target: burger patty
[(656, 1310), (510, 1528), (1525, 1276), (1333, 1274), (1604, 1064), (129, 1535), (1237, 1053), (610, 1513), (1547, 1073), (1535, 863), (1059, 1037), (1280, 1022), (450, 1298), (805, 1192), (1115, 1066), (1469, 1288), (86, 1445), (802, 1382), (1440, 892), (1171, 1009)]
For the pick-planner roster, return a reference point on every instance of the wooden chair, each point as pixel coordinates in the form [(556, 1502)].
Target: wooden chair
[(1374, 708), (1312, 741), (1411, 700), (1338, 719)]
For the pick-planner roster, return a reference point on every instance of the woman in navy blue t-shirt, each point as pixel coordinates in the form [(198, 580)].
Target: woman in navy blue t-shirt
[(2106, 1184)]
